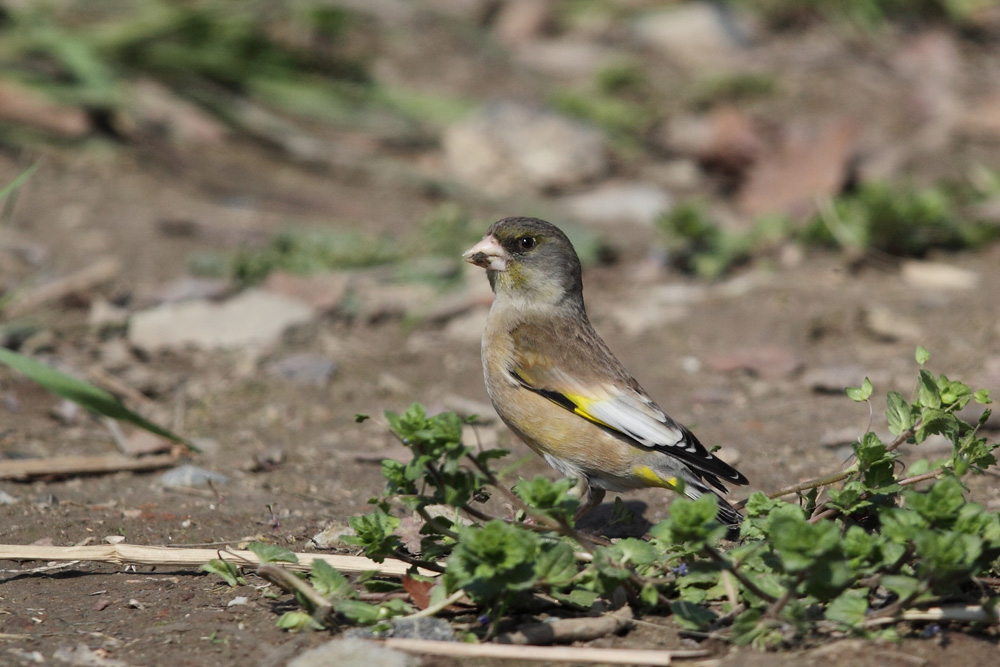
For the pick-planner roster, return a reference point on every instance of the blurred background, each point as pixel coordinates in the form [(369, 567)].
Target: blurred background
[(245, 218)]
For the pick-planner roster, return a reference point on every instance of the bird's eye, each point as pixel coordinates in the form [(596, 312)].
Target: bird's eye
[(526, 242)]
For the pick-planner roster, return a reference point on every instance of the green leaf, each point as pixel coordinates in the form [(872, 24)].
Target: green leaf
[(297, 621), (849, 607), (922, 355), (862, 393), (898, 413), (927, 390), (328, 582), (578, 597), (84, 394), (982, 397), (493, 561), (18, 180), (360, 612), (691, 616), (555, 564), (228, 571), (272, 553)]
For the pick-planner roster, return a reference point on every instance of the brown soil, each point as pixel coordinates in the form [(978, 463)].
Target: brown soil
[(98, 200)]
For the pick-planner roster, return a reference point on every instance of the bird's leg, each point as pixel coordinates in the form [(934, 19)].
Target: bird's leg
[(593, 498)]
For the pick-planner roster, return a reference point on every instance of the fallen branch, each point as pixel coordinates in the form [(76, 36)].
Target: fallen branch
[(133, 554), (568, 630), (607, 656), (964, 614), (61, 466), (84, 279)]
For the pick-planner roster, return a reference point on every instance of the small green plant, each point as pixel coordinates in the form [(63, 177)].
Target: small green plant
[(699, 245), (898, 220), (858, 552)]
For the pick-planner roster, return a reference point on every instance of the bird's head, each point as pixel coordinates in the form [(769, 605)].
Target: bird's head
[(530, 259)]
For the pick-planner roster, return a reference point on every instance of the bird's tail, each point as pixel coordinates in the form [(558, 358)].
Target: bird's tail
[(726, 515)]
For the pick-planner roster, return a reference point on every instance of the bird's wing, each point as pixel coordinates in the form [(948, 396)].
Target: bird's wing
[(614, 401)]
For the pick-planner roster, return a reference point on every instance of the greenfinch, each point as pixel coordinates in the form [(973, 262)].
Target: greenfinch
[(558, 387)]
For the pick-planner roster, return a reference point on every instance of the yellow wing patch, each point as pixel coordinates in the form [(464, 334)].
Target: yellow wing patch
[(581, 403), (650, 478)]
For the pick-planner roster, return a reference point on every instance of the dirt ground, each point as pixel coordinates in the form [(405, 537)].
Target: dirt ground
[(100, 199)]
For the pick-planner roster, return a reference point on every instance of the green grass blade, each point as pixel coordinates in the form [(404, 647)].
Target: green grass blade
[(16, 183), (84, 394)]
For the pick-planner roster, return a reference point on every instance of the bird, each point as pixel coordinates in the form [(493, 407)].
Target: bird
[(555, 383)]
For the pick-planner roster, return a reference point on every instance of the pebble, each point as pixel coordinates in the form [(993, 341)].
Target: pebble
[(189, 476), (304, 368), (255, 317), (938, 275), (632, 203), (507, 148), (353, 652)]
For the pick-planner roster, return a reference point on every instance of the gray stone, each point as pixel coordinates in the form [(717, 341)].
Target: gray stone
[(636, 203), (331, 536), (254, 317), (189, 475), (304, 368), (938, 275), (434, 629), (7, 499), (695, 34), (506, 148), (889, 325), (353, 652)]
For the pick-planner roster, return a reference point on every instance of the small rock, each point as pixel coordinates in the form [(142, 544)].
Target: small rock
[(634, 203), (321, 291), (189, 476), (695, 34), (304, 368), (507, 148), (433, 629), (330, 537), (237, 601), (101, 604), (937, 275), (66, 412), (135, 604), (7, 499), (768, 361), (353, 652), (114, 539), (887, 325), (103, 314), (254, 317)]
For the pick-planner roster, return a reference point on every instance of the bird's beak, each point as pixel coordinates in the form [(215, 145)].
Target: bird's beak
[(488, 254)]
